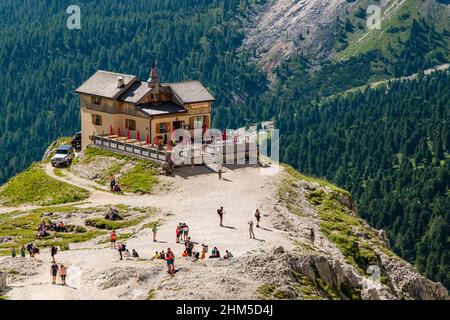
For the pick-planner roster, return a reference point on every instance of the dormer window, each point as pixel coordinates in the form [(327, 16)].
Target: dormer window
[(96, 100)]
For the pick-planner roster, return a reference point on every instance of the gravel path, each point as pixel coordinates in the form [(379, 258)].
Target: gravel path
[(192, 196)]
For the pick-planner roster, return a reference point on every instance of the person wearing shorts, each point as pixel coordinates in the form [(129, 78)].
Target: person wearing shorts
[(54, 271), (220, 213), (53, 252), (258, 217), (113, 240)]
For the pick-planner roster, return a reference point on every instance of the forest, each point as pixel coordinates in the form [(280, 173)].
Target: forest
[(389, 145)]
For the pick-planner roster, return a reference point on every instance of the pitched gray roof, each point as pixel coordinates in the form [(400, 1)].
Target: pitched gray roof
[(104, 84), (166, 107), (136, 92), (190, 91)]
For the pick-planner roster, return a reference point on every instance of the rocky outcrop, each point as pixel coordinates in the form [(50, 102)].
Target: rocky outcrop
[(282, 28), (345, 259), (119, 276), (19, 268)]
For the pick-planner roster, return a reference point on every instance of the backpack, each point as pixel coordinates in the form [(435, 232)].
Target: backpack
[(124, 247)]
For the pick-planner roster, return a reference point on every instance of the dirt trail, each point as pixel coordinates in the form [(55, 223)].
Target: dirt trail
[(193, 197)]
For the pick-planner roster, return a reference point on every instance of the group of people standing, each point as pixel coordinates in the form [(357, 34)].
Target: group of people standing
[(122, 247), (182, 232), (183, 236), (221, 212), (31, 248), (54, 269)]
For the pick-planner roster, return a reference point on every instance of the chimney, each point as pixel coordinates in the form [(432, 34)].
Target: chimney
[(120, 82)]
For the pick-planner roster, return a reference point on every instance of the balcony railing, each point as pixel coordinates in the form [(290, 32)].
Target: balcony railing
[(130, 146)]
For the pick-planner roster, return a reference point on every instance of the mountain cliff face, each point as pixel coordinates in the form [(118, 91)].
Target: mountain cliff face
[(280, 29), (344, 258)]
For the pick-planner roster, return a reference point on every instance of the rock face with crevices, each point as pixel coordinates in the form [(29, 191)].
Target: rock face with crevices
[(280, 29)]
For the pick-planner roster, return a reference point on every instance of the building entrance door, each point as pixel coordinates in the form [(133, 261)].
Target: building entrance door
[(178, 125)]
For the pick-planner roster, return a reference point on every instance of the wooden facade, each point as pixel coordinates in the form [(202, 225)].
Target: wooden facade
[(146, 111)]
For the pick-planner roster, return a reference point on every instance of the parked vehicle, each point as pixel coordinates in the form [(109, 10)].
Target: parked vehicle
[(76, 141), (63, 156)]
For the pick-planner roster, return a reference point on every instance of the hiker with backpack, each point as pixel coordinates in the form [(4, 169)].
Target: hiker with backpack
[(53, 252), (258, 217), (30, 249), (121, 247), (220, 213)]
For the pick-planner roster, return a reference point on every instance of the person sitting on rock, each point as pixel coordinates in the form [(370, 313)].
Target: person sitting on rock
[(61, 227), (134, 254), (113, 214), (196, 256), (228, 255), (215, 253), (117, 188), (156, 256)]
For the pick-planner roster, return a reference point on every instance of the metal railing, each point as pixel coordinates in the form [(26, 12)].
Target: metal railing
[(144, 151)]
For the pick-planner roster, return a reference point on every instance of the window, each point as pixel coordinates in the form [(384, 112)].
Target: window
[(163, 127), (197, 122), (130, 124), (96, 100), (97, 119)]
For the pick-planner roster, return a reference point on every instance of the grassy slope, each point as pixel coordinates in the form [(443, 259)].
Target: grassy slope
[(33, 186), (395, 26), (339, 223), (141, 178), (22, 225)]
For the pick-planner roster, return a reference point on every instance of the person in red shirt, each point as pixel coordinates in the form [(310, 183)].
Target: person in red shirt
[(113, 239)]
